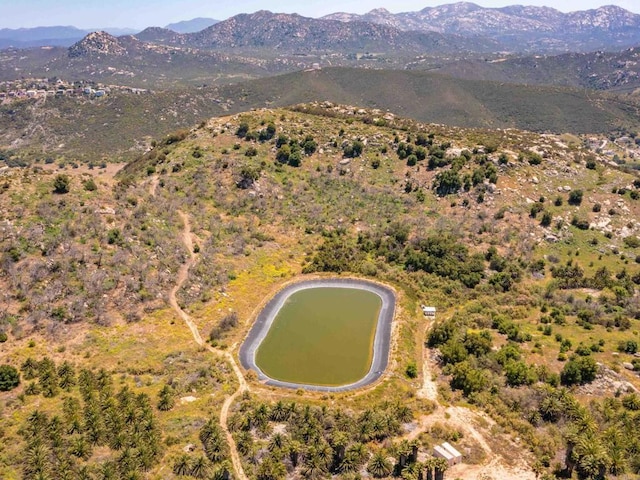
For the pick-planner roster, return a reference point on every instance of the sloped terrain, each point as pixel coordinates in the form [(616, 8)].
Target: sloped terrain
[(121, 125), (527, 244)]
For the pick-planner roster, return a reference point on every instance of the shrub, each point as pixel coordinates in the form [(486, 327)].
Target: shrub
[(575, 197), (9, 378), (412, 370), (251, 152), (242, 130), (227, 323), (629, 346), (578, 371), (632, 242), (546, 219), (61, 184), (90, 185), (114, 237), (519, 373)]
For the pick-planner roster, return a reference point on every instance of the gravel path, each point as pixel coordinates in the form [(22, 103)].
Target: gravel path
[(381, 343)]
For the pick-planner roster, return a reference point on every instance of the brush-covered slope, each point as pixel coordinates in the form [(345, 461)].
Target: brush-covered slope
[(441, 99), (527, 245), (122, 124), (616, 71)]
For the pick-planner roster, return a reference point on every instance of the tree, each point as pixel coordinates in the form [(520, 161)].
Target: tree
[(66, 375), (9, 378), (199, 468), (283, 153), (519, 373), (165, 399), (467, 378), (182, 465), (379, 466), (447, 182), (578, 371), (271, 469), (575, 197), (61, 184), (242, 130), (412, 370), (546, 219)]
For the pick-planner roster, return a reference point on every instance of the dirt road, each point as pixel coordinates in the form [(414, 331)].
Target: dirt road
[(183, 273)]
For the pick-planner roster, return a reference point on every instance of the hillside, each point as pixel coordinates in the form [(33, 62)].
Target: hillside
[(527, 244), (297, 34), (614, 71), (122, 124)]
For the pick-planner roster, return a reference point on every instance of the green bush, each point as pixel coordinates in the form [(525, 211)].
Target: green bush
[(61, 184), (575, 197), (578, 371), (9, 378)]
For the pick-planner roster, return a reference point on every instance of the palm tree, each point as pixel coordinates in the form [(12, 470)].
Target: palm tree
[(244, 443), (360, 452), (295, 450), (199, 468), (412, 471), (314, 466), (324, 451), (349, 463), (182, 465), (222, 472), (616, 447), (29, 369), (279, 412), (339, 441), (440, 466), (271, 469), (278, 442), (590, 456), (379, 466), (165, 399), (108, 471), (67, 376)]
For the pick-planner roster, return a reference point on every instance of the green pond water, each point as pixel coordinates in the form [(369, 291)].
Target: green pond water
[(321, 336)]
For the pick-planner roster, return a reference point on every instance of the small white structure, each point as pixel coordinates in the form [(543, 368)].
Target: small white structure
[(446, 451), (428, 311)]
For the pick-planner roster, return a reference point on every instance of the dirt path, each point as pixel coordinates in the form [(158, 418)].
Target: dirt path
[(473, 425), (153, 186), (429, 389), (187, 239)]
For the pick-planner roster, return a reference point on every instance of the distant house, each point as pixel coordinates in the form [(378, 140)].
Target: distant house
[(428, 311), (448, 452)]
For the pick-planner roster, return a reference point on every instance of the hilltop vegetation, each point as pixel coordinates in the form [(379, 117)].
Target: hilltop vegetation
[(120, 126), (536, 285)]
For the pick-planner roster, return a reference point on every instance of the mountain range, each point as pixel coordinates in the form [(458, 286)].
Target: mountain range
[(514, 28), (520, 28)]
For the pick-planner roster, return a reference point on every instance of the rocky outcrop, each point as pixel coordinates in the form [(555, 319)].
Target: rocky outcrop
[(97, 43)]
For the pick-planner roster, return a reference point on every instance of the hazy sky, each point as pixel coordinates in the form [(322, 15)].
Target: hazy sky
[(143, 13)]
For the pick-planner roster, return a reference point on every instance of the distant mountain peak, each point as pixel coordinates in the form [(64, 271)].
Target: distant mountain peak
[(380, 11), (191, 26), (97, 43)]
